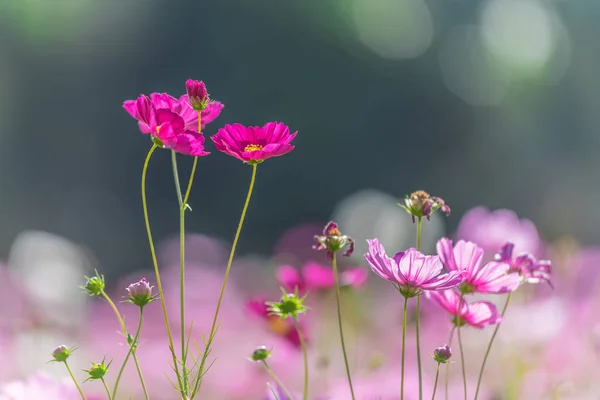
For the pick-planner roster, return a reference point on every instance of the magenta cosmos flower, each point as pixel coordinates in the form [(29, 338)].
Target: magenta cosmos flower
[(526, 265), (253, 144), (173, 123), (478, 314), (492, 277), (411, 271), (314, 276)]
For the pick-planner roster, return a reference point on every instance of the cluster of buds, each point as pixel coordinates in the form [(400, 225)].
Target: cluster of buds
[(290, 306), (97, 371), (94, 286), (420, 204), (196, 91), (140, 293), (442, 354), (333, 241)]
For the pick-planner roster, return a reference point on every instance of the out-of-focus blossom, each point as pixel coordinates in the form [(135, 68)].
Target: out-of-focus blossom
[(411, 271), (254, 144), (492, 277), (492, 229), (42, 387), (478, 314), (314, 276), (332, 241), (526, 265), (420, 204)]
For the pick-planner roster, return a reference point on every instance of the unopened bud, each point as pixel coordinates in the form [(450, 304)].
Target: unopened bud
[(442, 354)]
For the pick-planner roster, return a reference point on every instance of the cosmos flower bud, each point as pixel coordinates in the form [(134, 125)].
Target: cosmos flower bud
[(290, 305), (94, 286), (140, 293), (442, 354), (97, 371), (420, 204), (260, 354), (333, 241), (196, 91), (61, 353)]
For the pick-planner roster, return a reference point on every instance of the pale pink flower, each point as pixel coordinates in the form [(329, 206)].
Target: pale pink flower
[(42, 387), (492, 277), (411, 271), (478, 314)]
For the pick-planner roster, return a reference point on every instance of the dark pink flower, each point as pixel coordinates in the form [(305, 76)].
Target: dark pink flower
[(411, 271), (478, 314), (492, 277), (254, 144), (526, 265), (314, 276)]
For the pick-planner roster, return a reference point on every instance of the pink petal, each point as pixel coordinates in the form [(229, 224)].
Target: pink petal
[(317, 276), (289, 277), (493, 278)]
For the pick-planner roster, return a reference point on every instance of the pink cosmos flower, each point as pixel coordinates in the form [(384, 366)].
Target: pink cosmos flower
[(254, 144), (172, 123), (412, 271), (526, 265), (314, 276), (492, 229), (478, 314), (492, 277)]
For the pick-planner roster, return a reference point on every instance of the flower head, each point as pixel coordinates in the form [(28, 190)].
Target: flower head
[(290, 306), (478, 314), (314, 276), (254, 144), (411, 271), (197, 94), (94, 286), (61, 353), (525, 265), (140, 293), (97, 371), (260, 354), (442, 354), (492, 277), (333, 241), (420, 204)]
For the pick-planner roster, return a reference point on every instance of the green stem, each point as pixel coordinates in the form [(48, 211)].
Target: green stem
[(437, 375), (417, 315), (489, 348), (139, 371), (106, 388), (155, 263), (132, 346), (176, 177), (304, 357), (462, 362), (277, 381), (403, 346), (447, 378), (227, 269), (339, 315), (75, 380)]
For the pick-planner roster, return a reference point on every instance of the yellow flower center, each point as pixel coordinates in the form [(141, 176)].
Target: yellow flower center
[(253, 147)]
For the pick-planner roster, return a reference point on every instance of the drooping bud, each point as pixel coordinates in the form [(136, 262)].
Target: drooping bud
[(290, 305), (94, 286), (420, 204), (260, 354), (333, 241), (61, 353), (196, 91), (442, 354), (140, 293), (97, 371)]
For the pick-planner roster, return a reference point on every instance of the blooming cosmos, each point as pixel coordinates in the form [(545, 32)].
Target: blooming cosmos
[(314, 276), (526, 265), (492, 277), (412, 271), (173, 123), (253, 144), (478, 314)]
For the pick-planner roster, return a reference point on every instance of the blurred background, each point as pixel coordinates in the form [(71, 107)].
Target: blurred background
[(491, 102)]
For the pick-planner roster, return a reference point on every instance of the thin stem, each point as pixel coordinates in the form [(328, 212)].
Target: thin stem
[(106, 388), (403, 346), (277, 381), (462, 361), (304, 357), (489, 348), (124, 332), (132, 346), (139, 371), (155, 263), (448, 364), (227, 269), (437, 375), (75, 380), (339, 315), (176, 177), (417, 315)]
